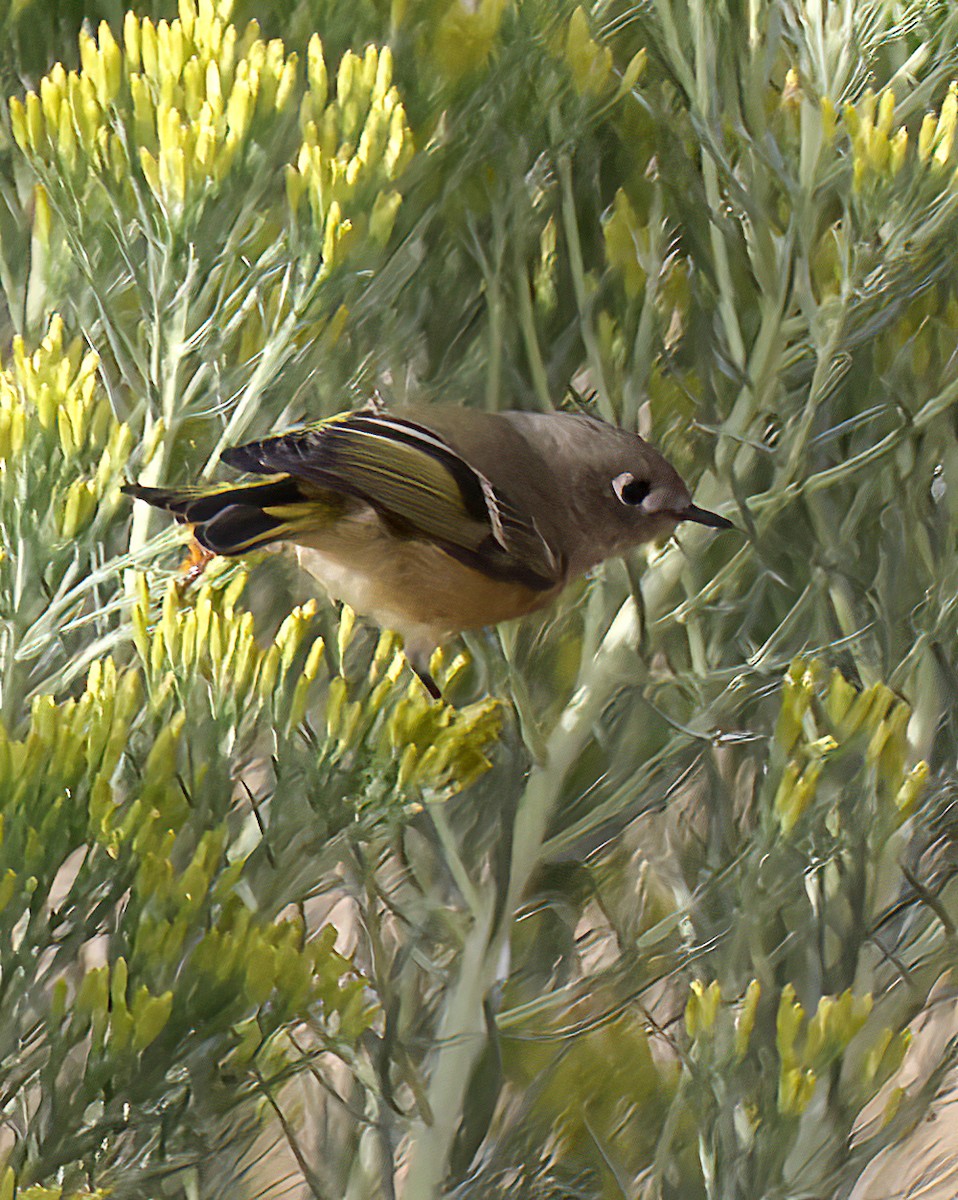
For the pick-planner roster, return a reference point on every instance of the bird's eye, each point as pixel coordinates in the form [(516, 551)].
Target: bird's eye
[(629, 489)]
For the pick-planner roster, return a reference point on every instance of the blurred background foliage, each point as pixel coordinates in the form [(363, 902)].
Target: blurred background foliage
[(662, 903)]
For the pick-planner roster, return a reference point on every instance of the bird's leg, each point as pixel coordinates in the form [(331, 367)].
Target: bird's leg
[(193, 566)]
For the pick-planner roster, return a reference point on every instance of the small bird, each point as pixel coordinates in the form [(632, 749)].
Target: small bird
[(433, 520)]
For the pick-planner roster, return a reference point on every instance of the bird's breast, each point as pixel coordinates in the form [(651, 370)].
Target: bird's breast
[(408, 585)]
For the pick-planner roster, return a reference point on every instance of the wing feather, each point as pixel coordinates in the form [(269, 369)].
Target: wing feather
[(416, 481)]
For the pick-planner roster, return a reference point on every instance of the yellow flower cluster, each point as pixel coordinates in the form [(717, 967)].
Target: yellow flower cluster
[(186, 93), (828, 1033), (355, 145), (465, 35), (119, 1024), (442, 749), (837, 1020), (591, 64), (49, 399), (923, 337), (9, 1190), (937, 135), (815, 723), (437, 750), (877, 151), (208, 638), (701, 1007), (627, 244), (60, 788), (70, 749)]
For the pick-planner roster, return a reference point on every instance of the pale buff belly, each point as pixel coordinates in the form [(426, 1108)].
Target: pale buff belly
[(407, 585)]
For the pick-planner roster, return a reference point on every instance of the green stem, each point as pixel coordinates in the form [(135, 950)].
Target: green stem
[(570, 227), (462, 1031), (527, 323)]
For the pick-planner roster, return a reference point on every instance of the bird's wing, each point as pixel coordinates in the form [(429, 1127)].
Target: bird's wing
[(418, 483)]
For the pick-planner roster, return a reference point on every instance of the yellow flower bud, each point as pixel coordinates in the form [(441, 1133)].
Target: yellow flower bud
[(144, 115), (41, 215), (66, 138), (150, 1017), (68, 446), (186, 11), (295, 187), (316, 74), (111, 66), (172, 166), (349, 67), (313, 659), (34, 122), (70, 520), (286, 84), (224, 48), (745, 1022), (892, 1104), (214, 88), (702, 1007), (18, 123), (946, 126), (194, 80), (383, 217), (148, 50), (87, 114), (407, 765), (266, 682), (297, 708), (634, 71), (368, 69), (131, 42), (878, 151), (787, 1023), (89, 63), (52, 92), (151, 172), (792, 89), (887, 1055), (399, 147), (239, 108), (333, 235), (171, 52), (926, 137), (384, 74), (899, 149), (590, 64), (795, 1089), (912, 789), (886, 111)]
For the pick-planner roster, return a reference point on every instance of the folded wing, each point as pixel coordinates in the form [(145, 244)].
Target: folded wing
[(418, 484)]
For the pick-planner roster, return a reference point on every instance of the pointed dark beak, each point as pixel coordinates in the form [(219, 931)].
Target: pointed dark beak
[(702, 516)]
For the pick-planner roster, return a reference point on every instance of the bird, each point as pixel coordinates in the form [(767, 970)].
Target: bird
[(436, 519)]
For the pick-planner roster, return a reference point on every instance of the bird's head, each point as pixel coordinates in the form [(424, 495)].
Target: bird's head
[(631, 493)]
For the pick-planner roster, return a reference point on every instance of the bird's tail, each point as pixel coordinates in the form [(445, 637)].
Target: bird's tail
[(236, 518)]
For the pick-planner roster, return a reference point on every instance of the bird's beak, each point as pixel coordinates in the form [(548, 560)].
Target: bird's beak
[(702, 516)]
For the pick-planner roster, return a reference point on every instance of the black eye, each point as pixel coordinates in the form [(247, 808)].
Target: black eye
[(629, 489)]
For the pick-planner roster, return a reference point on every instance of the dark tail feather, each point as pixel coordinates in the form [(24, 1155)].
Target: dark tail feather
[(198, 504), (236, 529), (228, 520), (166, 498)]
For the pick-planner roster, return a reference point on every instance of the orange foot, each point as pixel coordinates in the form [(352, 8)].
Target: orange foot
[(193, 566)]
